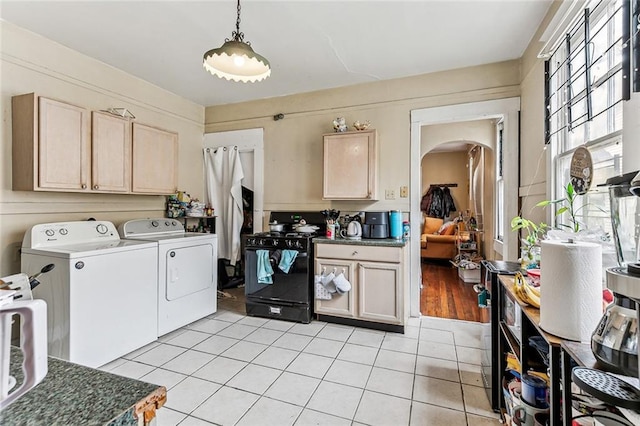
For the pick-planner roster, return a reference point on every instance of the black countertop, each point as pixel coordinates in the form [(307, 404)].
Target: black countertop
[(71, 394)]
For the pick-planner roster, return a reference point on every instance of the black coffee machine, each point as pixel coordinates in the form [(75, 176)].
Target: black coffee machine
[(376, 225)]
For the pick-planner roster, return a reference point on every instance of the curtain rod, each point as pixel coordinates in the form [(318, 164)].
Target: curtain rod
[(445, 185)]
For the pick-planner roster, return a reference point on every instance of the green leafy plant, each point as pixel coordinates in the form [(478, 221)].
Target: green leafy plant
[(569, 206), (534, 232)]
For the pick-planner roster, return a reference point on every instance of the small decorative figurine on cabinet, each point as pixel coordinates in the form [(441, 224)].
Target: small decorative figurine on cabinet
[(340, 124)]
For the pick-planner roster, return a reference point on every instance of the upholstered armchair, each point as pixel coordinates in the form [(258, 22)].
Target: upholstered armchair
[(438, 242)]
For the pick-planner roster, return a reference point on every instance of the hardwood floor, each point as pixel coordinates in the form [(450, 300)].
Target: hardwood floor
[(444, 295)]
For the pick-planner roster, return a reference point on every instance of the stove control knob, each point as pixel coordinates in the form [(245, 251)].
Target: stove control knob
[(251, 241), (102, 229), (63, 231), (49, 232), (261, 242), (274, 243), (298, 244), (154, 223)]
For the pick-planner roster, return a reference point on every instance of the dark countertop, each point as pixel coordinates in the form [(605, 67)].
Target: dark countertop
[(386, 242), (71, 394)]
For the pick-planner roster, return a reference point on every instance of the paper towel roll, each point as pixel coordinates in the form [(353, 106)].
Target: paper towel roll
[(570, 288)]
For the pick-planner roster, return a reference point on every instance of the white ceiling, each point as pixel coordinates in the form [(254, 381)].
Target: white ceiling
[(311, 45)]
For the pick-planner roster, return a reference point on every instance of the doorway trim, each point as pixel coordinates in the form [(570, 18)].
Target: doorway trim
[(247, 140), (508, 110)]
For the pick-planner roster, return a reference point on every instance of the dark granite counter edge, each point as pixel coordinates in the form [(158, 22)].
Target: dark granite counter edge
[(386, 242), (72, 394)]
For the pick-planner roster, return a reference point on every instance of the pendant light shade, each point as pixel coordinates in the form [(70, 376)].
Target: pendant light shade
[(235, 59)]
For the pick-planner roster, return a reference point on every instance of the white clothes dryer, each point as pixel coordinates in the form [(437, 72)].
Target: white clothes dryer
[(187, 270), (102, 294)]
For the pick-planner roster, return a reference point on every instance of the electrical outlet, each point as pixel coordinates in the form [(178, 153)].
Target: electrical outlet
[(390, 194), (404, 191)]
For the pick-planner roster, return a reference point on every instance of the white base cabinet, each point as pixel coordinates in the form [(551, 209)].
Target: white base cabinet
[(377, 276)]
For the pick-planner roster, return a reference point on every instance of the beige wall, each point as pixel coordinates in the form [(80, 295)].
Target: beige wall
[(30, 63), (293, 146), (448, 167)]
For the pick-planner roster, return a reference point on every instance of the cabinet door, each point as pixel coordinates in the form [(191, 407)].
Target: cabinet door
[(380, 293), (111, 153), (155, 160), (350, 166), (63, 153), (342, 305)]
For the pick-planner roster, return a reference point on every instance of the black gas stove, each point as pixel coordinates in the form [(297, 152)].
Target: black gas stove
[(287, 291)]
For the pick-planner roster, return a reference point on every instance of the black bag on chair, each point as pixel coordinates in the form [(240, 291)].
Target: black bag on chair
[(224, 280)]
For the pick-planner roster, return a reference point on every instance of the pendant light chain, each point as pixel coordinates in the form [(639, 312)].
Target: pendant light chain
[(237, 35)]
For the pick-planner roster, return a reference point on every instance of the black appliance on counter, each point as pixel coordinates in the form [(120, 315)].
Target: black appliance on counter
[(290, 296), (376, 225), (492, 378)]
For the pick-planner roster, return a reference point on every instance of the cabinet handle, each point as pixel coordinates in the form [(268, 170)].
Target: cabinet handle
[(95, 186), (355, 252), (83, 186)]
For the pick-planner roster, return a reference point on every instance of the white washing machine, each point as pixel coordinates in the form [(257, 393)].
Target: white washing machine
[(102, 294), (187, 270)]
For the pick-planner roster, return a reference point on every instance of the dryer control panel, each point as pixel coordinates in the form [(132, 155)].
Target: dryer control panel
[(150, 227)]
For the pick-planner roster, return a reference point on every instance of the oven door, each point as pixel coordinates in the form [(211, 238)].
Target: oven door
[(292, 287)]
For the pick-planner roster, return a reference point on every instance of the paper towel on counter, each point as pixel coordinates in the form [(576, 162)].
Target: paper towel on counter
[(570, 289)]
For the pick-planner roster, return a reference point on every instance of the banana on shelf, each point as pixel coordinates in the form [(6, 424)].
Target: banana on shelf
[(525, 291)]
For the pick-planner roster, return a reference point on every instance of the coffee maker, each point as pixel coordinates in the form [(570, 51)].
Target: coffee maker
[(615, 340)]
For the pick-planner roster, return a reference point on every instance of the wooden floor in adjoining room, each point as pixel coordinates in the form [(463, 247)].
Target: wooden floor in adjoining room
[(445, 295)]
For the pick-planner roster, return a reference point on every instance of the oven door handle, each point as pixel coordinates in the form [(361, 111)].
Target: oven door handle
[(299, 255)]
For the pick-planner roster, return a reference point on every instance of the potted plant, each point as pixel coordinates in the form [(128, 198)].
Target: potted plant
[(530, 250)]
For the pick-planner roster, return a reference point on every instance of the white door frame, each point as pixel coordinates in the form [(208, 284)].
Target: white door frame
[(507, 109), (248, 140)]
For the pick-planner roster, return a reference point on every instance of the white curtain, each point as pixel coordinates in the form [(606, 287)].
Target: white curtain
[(477, 182), (223, 176)]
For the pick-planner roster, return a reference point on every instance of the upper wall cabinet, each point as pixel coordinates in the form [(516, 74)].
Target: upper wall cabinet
[(51, 146), (155, 160), (350, 166), (62, 147), (110, 153)]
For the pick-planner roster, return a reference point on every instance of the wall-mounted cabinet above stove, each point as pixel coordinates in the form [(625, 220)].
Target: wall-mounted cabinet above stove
[(62, 147), (350, 166)]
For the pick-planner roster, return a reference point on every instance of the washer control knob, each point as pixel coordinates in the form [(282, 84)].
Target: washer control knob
[(102, 229), (49, 232), (154, 223), (167, 223), (63, 231)]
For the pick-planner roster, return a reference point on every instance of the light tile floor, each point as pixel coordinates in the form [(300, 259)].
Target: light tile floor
[(230, 369)]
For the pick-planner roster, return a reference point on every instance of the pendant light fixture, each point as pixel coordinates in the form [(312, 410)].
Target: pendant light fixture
[(235, 59)]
